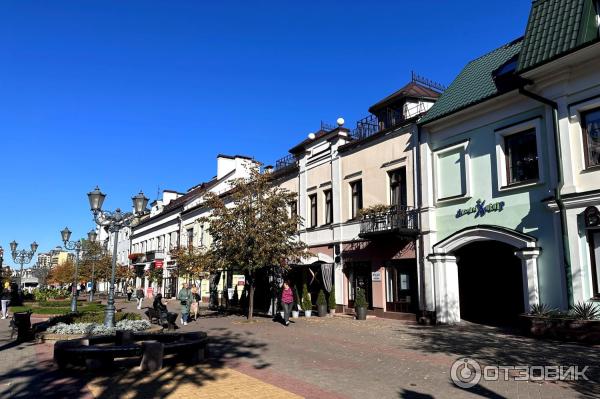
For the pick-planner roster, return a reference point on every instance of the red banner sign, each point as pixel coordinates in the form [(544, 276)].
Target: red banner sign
[(158, 264)]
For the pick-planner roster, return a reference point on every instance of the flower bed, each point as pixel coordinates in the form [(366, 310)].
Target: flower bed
[(580, 324), (98, 329)]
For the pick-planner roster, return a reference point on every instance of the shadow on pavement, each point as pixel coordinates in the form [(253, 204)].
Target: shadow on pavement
[(496, 346)]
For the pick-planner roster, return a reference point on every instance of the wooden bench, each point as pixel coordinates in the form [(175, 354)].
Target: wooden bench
[(154, 318)]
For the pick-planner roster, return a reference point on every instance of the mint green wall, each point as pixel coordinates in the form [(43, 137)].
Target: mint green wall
[(451, 169), (523, 210)]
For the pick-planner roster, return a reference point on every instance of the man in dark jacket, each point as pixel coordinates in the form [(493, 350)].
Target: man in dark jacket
[(139, 294), (5, 300)]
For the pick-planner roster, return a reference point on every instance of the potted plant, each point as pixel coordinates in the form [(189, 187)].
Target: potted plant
[(360, 304), (322, 304), (332, 304), (306, 302), (296, 306)]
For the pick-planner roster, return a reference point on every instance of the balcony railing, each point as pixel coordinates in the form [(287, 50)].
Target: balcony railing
[(154, 254), (288, 161), (402, 221), (387, 119)]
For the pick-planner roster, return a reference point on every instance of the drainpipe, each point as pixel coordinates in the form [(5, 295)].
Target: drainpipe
[(560, 183), (420, 247)]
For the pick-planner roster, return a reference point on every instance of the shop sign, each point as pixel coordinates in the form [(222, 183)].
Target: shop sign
[(376, 276), (480, 209), (158, 264)]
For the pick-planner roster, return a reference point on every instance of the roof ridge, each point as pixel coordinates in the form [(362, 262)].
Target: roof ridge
[(504, 46)]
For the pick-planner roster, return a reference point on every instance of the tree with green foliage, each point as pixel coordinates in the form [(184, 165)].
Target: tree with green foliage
[(251, 228)]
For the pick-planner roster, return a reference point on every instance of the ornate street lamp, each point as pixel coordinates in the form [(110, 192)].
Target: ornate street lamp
[(92, 236), (1, 256), (114, 221), (70, 246), (22, 257)]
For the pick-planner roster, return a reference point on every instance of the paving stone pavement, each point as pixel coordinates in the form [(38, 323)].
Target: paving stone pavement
[(313, 358)]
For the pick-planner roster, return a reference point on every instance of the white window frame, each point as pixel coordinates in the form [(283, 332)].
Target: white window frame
[(502, 180), (436, 156)]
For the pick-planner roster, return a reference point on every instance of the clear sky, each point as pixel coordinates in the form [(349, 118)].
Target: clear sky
[(136, 95)]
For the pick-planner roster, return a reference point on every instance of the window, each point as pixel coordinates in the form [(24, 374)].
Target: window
[(398, 188), (190, 238), (357, 199), (521, 154), (160, 243), (293, 208), (591, 137), (452, 172), (313, 210), (328, 206)]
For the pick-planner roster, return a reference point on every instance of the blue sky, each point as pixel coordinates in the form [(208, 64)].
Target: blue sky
[(136, 95)]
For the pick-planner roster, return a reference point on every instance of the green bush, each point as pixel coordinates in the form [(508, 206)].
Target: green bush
[(321, 298), (306, 303), (585, 311), (296, 297), (332, 304), (360, 301), (43, 294)]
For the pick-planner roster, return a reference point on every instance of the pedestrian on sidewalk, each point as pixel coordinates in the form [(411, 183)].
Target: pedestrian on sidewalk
[(5, 299), (287, 301), (195, 302), (129, 292), (185, 298), (139, 294)]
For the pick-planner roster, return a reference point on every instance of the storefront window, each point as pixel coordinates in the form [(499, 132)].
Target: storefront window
[(521, 157), (400, 287), (591, 137), (594, 241)]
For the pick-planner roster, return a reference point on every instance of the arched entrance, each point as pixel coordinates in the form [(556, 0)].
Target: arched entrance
[(486, 264), (490, 287)]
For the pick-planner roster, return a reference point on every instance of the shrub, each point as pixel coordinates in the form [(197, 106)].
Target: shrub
[(541, 310), (360, 301), (306, 302), (332, 303), (321, 298), (585, 311)]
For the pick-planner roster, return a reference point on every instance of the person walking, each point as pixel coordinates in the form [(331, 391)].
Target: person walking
[(287, 301), (185, 298), (195, 302), (129, 292), (139, 294), (5, 299)]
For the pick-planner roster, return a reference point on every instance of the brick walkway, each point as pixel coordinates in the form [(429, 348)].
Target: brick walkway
[(317, 358)]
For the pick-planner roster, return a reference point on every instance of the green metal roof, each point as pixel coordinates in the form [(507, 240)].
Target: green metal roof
[(474, 83), (555, 28)]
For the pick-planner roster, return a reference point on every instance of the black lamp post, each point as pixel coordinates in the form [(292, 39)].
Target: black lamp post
[(70, 246), (92, 236), (22, 257), (114, 221)]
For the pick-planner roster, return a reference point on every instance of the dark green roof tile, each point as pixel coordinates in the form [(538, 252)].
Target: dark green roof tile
[(474, 83), (555, 28)]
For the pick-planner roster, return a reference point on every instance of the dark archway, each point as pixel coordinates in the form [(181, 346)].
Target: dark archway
[(490, 280)]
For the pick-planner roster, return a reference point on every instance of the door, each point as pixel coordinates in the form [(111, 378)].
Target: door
[(359, 276), (401, 286)]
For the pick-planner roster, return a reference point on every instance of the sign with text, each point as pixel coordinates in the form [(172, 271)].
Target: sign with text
[(158, 264), (376, 276), (481, 209)]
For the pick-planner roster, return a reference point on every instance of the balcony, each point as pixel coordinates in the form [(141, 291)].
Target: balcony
[(385, 119), (287, 162), (151, 256), (403, 222)]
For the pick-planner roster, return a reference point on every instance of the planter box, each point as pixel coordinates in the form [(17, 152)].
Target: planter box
[(587, 331)]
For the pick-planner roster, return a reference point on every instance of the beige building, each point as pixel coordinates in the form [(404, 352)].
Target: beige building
[(356, 198)]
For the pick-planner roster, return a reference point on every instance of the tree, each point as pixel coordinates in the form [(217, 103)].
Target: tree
[(254, 230), (41, 273), (62, 273), (193, 262)]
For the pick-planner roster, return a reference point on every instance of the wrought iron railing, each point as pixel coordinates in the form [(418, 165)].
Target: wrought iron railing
[(399, 220), (372, 124), (285, 162)]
